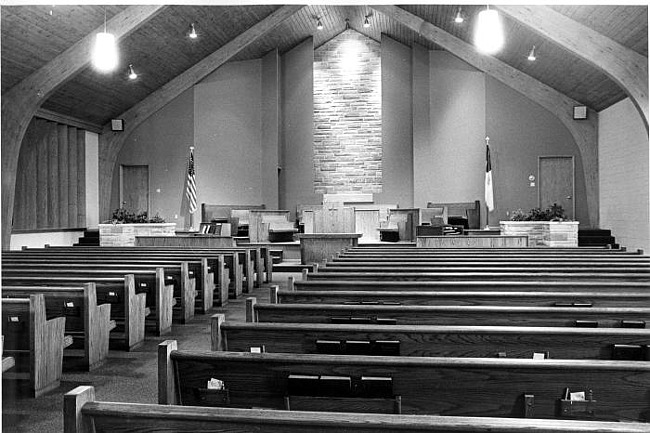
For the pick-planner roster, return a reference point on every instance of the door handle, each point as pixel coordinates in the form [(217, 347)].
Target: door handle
[(568, 197)]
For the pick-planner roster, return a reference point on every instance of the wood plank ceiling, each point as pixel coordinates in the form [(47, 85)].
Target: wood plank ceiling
[(31, 36)]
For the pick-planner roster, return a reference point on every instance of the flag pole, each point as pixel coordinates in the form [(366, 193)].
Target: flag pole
[(487, 208)]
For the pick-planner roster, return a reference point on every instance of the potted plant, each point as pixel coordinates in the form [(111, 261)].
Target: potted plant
[(544, 227)]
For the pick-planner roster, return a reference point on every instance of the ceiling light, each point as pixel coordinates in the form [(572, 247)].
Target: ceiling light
[(105, 56), (192, 33), (488, 37), (366, 22), (132, 74), (531, 55), (459, 18), (319, 24), (347, 24)]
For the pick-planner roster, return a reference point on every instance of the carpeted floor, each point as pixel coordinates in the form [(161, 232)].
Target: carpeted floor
[(124, 377)]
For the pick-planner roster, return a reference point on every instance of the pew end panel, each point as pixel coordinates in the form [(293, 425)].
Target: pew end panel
[(35, 342), (164, 303), (167, 385), (73, 419), (136, 311), (208, 278)]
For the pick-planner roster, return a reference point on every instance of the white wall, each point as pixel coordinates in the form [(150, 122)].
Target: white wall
[(450, 167), (623, 163), (227, 134)]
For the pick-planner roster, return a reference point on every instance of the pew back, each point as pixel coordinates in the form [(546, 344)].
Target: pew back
[(422, 340), (83, 414), (449, 315), (425, 385)]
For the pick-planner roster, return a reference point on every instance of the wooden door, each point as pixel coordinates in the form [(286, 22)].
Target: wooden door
[(134, 187), (557, 183)]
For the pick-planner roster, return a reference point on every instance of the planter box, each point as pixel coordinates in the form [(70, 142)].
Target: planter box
[(543, 233), (123, 235)]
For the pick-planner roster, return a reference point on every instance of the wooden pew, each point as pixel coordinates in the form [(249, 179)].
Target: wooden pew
[(421, 340), (258, 256), (448, 315), (527, 262), (35, 343), (595, 251), (161, 290), (86, 321), (82, 413), (452, 259), (529, 285), (210, 271), (485, 297), (235, 260), (128, 308), (484, 274), (615, 390)]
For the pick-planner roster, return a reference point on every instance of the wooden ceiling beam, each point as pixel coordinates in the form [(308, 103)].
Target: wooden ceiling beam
[(584, 132), (21, 102), (626, 67), (112, 142)]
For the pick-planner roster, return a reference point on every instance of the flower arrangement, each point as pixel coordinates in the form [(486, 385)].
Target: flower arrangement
[(124, 216), (551, 213)]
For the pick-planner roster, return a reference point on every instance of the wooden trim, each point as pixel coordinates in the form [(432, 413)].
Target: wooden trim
[(584, 132), (626, 67), (47, 230), (42, 113), (112, 142)]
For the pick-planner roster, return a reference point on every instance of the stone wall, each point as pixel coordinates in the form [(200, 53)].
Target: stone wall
[(347, 115), (123, 235)]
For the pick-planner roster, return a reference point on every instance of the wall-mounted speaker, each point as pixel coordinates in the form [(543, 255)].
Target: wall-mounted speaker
[(579, 112), (117, 125)]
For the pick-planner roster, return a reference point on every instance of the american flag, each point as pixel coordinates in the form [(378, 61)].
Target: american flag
[(489, 191), (190, 190)]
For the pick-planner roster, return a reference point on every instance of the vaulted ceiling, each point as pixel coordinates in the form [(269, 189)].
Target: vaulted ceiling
[(160, 49)]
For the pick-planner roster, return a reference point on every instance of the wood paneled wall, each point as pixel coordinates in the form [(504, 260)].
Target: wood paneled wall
[(50, 180)]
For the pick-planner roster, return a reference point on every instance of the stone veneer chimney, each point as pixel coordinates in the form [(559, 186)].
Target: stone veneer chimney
[(347, 115)]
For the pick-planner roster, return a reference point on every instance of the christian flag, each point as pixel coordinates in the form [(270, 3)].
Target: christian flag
[(190, 187), (489, 191)]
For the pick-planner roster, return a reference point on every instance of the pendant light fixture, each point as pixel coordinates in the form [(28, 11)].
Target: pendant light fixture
[(132, 74), (192, 34), (459, 17), (105, 57), (319, 24), (366, 22), (531, 55), (488, 37)]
